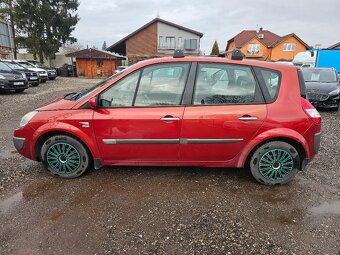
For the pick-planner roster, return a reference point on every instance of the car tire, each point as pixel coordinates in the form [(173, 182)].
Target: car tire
[(35, 85), (65, 156), (19, 90), (52, 78), (275, 163), (42, 81)]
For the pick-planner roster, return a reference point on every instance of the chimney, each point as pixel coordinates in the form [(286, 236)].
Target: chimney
[(261, 29)]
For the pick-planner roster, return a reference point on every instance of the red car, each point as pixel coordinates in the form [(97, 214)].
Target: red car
[(180, 111)]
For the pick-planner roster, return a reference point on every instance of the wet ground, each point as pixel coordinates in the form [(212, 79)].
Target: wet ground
[(150, 210)]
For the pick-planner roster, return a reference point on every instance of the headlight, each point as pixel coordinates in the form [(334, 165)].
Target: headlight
[(27, 118), (2, 77), (334, 92)]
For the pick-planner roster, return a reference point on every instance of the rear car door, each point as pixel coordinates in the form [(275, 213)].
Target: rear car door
[(226, 112), (140, 117)]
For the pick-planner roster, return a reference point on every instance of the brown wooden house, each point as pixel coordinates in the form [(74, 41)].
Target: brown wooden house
[(93, 63)]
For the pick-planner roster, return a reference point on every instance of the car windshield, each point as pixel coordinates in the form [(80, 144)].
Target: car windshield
[(79, 95), (319, 75), (4, 67), (15, 66), (26, 64), (39, 65)]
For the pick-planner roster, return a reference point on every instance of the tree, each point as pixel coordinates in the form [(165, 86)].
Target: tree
[(44, 25), (215, 51), (104, 47)]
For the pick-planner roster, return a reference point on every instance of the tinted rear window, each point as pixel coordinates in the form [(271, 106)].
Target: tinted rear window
[(270, 81)]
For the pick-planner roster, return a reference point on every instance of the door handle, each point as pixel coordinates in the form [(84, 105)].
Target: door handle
[(169, 118), (248, 118)]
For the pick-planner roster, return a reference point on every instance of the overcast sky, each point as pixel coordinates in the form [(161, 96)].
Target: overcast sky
[(314, 21)]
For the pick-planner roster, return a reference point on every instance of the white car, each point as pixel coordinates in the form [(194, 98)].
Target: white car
[(42, 73)]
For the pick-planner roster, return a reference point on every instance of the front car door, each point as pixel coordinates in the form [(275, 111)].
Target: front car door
[(140, 116), (227, 110)]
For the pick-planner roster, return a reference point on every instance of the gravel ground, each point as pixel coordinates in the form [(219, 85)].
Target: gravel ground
[(162, 210)]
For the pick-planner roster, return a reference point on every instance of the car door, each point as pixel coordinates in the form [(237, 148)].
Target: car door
[(140, 117), (226, 112)]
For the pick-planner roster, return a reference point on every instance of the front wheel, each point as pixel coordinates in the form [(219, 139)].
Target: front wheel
[(64, 156), (19, 90), (275, 163)]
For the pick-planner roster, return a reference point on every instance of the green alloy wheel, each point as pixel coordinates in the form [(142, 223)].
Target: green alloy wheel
[(275, 163), (65, 156)]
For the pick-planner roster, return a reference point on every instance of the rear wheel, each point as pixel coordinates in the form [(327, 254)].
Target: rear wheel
[(275, 163), (65, 156)]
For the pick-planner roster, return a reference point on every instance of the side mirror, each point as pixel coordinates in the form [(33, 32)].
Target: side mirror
[(93, 103)]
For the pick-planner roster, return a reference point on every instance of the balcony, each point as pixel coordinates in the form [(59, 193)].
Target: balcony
[(254, 54)]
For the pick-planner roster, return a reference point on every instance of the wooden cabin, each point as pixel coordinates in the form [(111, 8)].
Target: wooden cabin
[(93, 63)]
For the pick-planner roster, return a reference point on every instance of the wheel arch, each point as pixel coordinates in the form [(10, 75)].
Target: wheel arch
[(297, 145), (39, 143)]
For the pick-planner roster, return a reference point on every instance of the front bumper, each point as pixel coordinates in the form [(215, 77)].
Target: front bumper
[(9, 85), (18, 142), (52, 74)]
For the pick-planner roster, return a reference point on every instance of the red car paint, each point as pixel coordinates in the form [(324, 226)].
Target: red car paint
[(285, 118)]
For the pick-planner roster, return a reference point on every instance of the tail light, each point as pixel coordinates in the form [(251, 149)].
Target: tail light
[(311, 111)]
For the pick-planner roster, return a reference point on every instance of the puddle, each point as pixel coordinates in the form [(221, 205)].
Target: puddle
[(326, 208), (10, 202)]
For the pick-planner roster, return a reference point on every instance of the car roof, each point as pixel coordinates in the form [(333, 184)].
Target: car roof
[(217, 60)]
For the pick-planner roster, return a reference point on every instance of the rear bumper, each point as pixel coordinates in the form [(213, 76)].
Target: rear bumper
[(317, 142)]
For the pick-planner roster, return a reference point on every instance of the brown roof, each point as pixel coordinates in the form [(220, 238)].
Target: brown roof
[(286, 37), (246, 35), (150, 23), (94, 53), (334, 46), (269, 39)]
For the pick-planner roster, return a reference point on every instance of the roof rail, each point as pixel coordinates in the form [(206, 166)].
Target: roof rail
[(178, 54), (235, 54)]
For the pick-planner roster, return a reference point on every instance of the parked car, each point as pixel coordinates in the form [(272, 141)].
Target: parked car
[(323, 87), (12, 80), (32, 77), (42, 73), (120, 69), (51, 72), (189, 111)]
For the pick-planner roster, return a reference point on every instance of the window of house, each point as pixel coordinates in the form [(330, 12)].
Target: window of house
[(170, 42), (162, 85), (100, 63), (219, 84), (191, 44), (161, 42), (253, 48), (289, 47), (180, 43)]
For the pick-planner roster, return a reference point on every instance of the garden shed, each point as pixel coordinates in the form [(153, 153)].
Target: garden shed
[(92, 63)]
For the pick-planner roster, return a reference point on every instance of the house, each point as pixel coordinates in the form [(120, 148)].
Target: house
[(95, 63), (334, 47), (6, 40), (265, 45), (157, 38)]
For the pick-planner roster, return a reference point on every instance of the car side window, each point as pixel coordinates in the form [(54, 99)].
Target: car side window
[(121, 93), (225, 84), (272, 81), (162, 84)]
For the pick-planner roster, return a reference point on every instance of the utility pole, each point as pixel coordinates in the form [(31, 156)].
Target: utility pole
[(10, 5)]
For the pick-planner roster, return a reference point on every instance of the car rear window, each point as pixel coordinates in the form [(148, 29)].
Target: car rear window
[(270, 81)]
